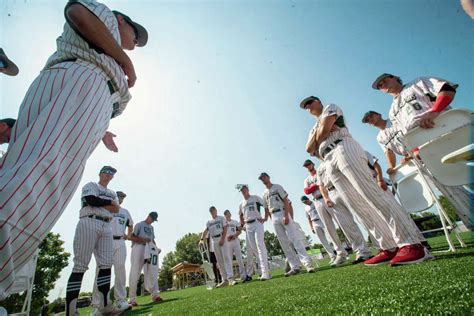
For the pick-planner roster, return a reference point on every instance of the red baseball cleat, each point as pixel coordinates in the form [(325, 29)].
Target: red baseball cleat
[(411, 254), (157, 299), (384, 256)]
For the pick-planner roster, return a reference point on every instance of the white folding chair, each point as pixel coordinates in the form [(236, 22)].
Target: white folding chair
[(24, 280), (447, 150)]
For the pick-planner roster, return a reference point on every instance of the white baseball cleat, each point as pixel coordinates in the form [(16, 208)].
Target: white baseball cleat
[(332, 260), (339, 260), (292, 272), (265, 277), (222, 284), (232, 282)]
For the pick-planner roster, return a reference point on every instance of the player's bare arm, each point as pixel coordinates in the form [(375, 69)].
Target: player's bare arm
[(380, 181), (224, 233), (267, 215), (325, 194), (286, 219), (129, 232), (139, 239), (325, 127), (311, 225), (94, 31), (312, 145), (242, 222), (443, 99), (391, 160)]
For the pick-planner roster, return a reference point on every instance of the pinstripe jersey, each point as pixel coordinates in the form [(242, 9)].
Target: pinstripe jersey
[(99, 191), (416, 98), (250, 208), (390, 139), (341, 132), (71, 45), (311, 212)]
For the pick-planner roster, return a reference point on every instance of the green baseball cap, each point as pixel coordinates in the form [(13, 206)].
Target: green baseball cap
[(153, 216), (140, 32)]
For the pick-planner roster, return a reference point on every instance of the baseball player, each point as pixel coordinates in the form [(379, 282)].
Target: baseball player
[(347, 169), (218, 232), (62, 119), (120, 221), (7, 66), (275, 201), (234, 229), (251, 219), (143, 242), (94, 236), (341, 215), (424, 98), (6, 126), (317, 226)]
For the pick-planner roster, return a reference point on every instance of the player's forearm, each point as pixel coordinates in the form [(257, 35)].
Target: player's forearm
[(324, 193), (391, 158), (312, 145), (378, 170), (94, 31), (267, 214)]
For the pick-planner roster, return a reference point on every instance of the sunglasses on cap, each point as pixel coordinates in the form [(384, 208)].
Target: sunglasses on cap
[(108, 172)]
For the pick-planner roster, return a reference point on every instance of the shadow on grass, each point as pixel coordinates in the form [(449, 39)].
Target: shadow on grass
[(450, 255), (147, 309)]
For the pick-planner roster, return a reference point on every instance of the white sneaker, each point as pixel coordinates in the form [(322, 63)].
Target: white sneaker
[(112, 309), (222, 284), (292, 272), (265, 277), (332, 260), (232, 282), (339, 260)]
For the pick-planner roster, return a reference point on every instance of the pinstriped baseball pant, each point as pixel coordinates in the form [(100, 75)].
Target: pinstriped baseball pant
[(319, 231), (62, 118), (327, 219), (351, 176), (346, 222)]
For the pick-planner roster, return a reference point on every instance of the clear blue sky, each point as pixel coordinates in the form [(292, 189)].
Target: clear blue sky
[(219, 83)]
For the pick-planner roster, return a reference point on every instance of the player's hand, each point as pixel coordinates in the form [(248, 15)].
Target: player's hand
[(312, 229), (405, 160), (261, 220), (146, 240), (129, 71), (286, 220), (390, 171), (382, 184), (329, 203), (108, 141), (427, 119), (221, 242)]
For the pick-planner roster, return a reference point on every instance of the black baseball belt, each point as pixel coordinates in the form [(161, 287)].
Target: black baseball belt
[(318, 197), (118, 237), (331, 188), (251, 221), (330, 147), (100, 218), (215, 236), (316, 220), (276, 211)]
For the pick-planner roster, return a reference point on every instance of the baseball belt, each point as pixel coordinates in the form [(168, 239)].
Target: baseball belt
[(276, 211), (330, 147), (316, 220), (251, 221), (215, 236), (318, 198), (331, 188), (100, 218), (118, 237)]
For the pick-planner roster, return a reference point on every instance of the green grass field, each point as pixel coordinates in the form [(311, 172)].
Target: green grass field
[(442, 286)]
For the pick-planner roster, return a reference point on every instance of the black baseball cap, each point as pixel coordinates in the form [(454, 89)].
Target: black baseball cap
[(226, 211), (304, 198), (153, 216), (242, 187), (367, 114), (9, 121), (263, 174), (308, 100), (140, 32), (308, 162), (121, 194), (379, 78), (108, 169)]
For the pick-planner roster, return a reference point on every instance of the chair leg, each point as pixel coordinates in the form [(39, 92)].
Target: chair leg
[(450, 223)]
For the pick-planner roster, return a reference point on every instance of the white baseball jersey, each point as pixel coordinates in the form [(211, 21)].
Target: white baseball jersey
[(310, 180), (71, 45), (312, 213), (121, 221), (216, 226), (273, 199), (143, 230), (342, 131), (232, 227), (371, 160), (151, 270), (390, 139), (416, 98), (250, 208), (95, 189)]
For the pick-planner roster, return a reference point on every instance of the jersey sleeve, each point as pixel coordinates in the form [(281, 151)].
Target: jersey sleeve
[(259, 200), (330, 110), (90, 189), (432, 85), (240, 209), (371, 160), (130, 220), (265, 204), (152, 233), (281, 191), (137, 229)]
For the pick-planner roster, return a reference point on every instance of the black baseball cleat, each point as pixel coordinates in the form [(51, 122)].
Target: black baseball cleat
[(247, 279), (361, 259)]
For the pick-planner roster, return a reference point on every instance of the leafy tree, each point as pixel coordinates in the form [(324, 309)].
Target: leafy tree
[(272, 244), (187, 249), (449, 209), (165, 279), (51, 260)]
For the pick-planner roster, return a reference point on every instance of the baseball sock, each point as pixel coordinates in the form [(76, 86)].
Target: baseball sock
[(103, 284), (72, 292)]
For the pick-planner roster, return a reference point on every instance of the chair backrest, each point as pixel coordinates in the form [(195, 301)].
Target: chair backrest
[(413, 193), (453, 131)]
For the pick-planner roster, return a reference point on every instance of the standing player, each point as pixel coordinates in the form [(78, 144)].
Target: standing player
[(341, 216), (234, 229), (94, 236), (143, 240), (62, 119), (275, 201), (218, 232), (346, 167), (120, 221), (317, 226), (250, 216), (6, 126)]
